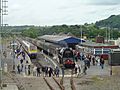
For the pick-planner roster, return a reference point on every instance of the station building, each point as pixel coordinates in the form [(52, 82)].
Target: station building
[(62, 40), (98, 49)]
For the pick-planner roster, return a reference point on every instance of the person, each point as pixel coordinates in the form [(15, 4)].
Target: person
[(78, 55), (28, 69), (43, 70), (79, 70), (21, 67), (76, 59), (87, 62), (76, 68), (93, 61), (102, 63), (50, 71), (18, 68), (63, 72), (18, 51), (26, 62), (38, 71), (84, 69), (21, 61), (97, 60), (82, 57), (46, 71), (5, 54), (41, 51), (23, 55), (34, 70), (57, 71), (89, 58)]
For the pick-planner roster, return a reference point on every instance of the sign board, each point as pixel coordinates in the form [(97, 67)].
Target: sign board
[(114, 57)]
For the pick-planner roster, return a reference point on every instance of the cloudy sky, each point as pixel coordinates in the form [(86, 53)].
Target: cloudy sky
[(57, 12)]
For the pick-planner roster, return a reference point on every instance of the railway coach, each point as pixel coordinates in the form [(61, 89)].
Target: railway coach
[(30, 49)]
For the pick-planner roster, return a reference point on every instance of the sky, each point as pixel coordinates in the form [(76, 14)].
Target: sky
[(58, 12)]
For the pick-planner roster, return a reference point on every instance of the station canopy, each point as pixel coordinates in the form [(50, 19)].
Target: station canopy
[(61, 38)]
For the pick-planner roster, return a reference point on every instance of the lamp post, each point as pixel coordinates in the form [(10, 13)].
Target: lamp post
[(81, 40), (111, 63), (13, 54), (111, 70)]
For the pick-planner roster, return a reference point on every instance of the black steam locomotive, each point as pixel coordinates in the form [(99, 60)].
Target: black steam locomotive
[(66, 57)]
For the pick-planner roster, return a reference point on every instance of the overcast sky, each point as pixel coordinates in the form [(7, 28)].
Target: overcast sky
[(57, 12)]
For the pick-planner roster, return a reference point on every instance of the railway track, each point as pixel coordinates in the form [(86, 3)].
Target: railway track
[(16, 80), (68, 83), (61, 84), (53, 83)]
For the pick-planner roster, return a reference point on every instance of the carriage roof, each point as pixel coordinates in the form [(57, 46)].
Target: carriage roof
[(26, 43)]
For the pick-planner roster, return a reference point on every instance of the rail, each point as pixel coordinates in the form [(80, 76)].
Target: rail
[(72, 81), (51, 88), (60, 85), (16, 80)]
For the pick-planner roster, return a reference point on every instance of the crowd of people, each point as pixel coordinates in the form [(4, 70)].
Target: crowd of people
[(46, 71), (24, 66), (49, 71), (88, 61)]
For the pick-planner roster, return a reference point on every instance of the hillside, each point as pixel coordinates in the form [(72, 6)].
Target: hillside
[(113, 22), (88, 30)]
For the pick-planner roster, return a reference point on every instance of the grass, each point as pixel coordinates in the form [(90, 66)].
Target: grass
[(99, 83), (116, 70)]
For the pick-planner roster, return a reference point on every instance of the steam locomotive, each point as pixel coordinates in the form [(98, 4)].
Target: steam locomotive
[(66, 57)]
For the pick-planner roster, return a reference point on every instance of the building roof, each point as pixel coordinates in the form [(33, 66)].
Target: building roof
[(53, 37), (98, 45), (58, 38)]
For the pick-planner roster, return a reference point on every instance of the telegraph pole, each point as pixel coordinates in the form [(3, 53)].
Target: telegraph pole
[(109, 33), (0, 47), (3, 11)]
